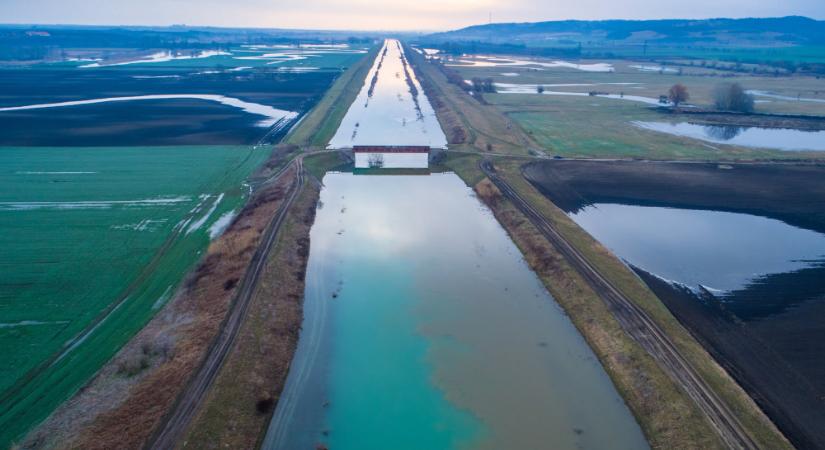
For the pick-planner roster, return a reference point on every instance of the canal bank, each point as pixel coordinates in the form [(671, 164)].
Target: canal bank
[(423, 324), (419, 306), (660, 404)]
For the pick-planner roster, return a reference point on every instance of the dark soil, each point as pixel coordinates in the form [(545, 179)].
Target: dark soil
[(146, 122), (792, 193), (768, 335)]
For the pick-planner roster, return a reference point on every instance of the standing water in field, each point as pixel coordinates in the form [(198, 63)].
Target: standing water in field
[(425, 328), (391, 108), (778, 138)]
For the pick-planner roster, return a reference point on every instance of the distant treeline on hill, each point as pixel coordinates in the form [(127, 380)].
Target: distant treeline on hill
[(792, 29), (790, 43)]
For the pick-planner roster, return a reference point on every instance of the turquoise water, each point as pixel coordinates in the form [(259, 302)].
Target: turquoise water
[(425, 329)]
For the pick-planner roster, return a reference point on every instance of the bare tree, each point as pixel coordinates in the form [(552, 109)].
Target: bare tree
[(732, 97), (677, 94)]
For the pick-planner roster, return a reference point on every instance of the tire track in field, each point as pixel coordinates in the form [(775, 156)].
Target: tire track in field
[(176, 421)]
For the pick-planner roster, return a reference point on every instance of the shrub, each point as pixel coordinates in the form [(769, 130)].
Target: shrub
[(732, 97)]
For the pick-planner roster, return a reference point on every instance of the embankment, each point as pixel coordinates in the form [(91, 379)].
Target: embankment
[(129, 396), (767, 334)]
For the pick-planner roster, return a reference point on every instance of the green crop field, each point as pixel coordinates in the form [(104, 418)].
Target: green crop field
[(95, 240)]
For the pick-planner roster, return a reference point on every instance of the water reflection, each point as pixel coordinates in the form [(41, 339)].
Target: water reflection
[(723, 132), (424, 328), (719, 250), (391, 108), (775, 138)]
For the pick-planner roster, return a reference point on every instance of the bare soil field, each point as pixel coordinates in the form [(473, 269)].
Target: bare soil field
[(768, 334), (796, 193), (148, 122)]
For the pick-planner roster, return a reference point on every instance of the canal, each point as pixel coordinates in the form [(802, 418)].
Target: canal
[(424, 328)]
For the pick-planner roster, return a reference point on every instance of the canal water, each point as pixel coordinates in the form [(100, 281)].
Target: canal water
[(387, 111), (424, 328)]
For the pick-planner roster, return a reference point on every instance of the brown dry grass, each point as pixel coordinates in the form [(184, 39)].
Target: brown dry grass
[(669, 419), (750, 415), (238, 408), (114, 411)]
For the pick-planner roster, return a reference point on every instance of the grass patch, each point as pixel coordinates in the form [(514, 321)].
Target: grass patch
[(602, 128), (319, 164), (247, 389), (485, 129), (237, 409), (81, 278)]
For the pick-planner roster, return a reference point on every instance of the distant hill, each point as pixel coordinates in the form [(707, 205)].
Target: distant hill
[(792, 30)]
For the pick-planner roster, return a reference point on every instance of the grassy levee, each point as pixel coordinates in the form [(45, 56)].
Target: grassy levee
[(99, 274), (319, 125), (667, 415), (247, 390), (248, 386), (746, 410)]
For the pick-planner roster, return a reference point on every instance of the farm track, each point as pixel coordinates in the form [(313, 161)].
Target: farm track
[(637, 324), (176, 422)]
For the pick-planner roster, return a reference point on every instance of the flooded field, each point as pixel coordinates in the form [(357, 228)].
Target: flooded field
[(418, 305), (391, 108), (777, 138), (111, 188), (487, 61), (510, 88), (736, 252), (131, 105)]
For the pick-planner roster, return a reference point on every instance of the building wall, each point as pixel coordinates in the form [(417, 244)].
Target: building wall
[(394, 160)]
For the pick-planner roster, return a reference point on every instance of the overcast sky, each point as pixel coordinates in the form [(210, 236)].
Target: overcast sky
[(382, 15)]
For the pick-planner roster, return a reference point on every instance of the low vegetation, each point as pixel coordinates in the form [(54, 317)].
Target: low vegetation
[(732, 97), (250, 382)]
